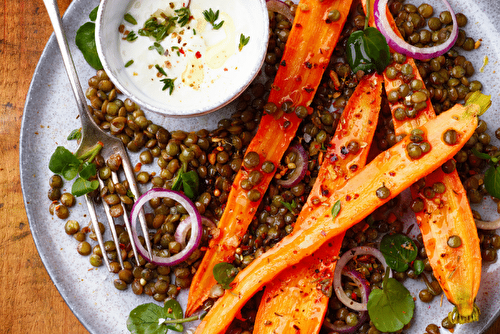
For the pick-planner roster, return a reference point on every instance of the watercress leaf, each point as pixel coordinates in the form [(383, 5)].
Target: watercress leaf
[(144, 319), (392, 307), (398, 250), (85, 40), (176, 185), (377, 48), (81, 186), (173, 311), (367, 50), (481, 155), (356, 54), (224, 274), (190, 184), (75, 134), (88, 170), (63, 161), (336, 209), (492, 181), (93, 14), (419, 266)]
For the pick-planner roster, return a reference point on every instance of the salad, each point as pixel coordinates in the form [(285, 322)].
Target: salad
[(229, 149)]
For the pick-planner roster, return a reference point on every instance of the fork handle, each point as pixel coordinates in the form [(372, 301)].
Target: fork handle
[(55, 19)]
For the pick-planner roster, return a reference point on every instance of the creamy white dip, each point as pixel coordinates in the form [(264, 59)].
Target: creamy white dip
[(206, 63)]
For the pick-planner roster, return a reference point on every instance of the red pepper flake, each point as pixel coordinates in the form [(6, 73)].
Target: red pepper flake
[(354, 296), (348, 198), (181, 50), (137, 167), (225, 69), (198, 54)]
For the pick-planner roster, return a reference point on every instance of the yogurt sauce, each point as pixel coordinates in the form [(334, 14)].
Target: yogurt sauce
[(206, 63)]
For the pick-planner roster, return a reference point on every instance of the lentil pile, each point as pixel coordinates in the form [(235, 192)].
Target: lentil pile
[(216, 156)]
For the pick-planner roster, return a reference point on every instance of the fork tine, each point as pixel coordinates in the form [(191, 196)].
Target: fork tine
[(97, 231), (129, 174), (114, 177), (112, 228)]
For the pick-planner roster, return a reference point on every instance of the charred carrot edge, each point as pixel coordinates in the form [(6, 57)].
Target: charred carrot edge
[(306, 56), (393, 169), (294, 300), (453, 216)]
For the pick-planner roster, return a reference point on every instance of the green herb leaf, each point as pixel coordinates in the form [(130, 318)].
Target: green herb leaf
[(65, 163), (85, 41), (75, 134), (145, 318), (93, 14), (152, 28), (391, 308), (336, 209), (168, 84), (290, 206), (481, 155), (130, 19), (190, 184), (157, 46), (88, 170), (131, 36), (177, 184), (224, 274), (184, 16), (418, 266), (81, 186), (492, 181), (399, 251), (130, 62), (367, 50), (243, 41), (211, 17)]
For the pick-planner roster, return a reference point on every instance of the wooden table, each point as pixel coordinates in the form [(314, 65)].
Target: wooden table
[(29, 302)]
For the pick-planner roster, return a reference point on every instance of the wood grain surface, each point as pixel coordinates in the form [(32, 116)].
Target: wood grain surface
[(29, 302)]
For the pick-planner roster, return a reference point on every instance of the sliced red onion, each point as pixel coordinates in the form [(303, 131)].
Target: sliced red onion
[(401, 46), (194, 217), (280, 7), (185, 226), (482, 225), (364, 287), (300, 167), (339, 270)]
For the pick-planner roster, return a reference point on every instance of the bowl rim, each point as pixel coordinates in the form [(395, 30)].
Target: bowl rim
[(169, 112)]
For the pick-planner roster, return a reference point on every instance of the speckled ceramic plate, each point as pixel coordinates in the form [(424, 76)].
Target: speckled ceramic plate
[(50, 115)]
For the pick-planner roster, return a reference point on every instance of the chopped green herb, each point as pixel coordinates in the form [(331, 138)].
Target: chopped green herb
[(75, 134), (130, 62), (211, 17), (290, 206), (224, 274), (168, 84), (152, 28), (184, 16), (336, 209), (243, 41), (131, 36), (157, 46), (130, 19), (194, 31), (161, 70)]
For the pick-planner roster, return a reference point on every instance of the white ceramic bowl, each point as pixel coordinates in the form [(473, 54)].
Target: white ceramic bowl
[(218, 87)]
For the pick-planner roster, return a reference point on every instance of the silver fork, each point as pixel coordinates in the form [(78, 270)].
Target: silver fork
[(91, 135)]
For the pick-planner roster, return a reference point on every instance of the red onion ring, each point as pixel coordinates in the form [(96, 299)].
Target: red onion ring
[(482, 225), (364, 287), (401, 46), (301, 167), (185, 226), (195, 219), (339, 270), (280, 7)]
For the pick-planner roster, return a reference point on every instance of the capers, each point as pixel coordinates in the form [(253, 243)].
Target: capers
[(251, 160), (414, 151)]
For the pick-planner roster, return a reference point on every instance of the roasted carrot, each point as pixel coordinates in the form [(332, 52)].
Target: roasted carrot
[(392, 169), (306, 56), (295, 299), (458, 270)]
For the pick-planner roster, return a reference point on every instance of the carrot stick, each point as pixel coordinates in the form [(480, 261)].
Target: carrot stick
[(458, 270), (393, 169), (293, 298), (306, 56)]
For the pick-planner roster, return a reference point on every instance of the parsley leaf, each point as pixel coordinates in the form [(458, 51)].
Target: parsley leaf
[(399, 251), (211, 17), (392, 307), (243, 41), (224, 274), (290, 206)]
